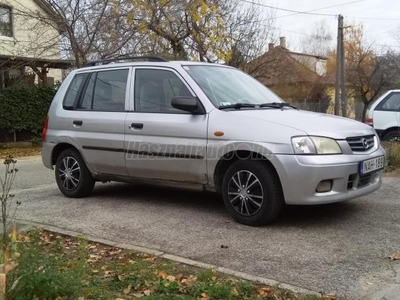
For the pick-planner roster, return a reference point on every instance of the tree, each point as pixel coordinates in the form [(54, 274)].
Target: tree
[(89, 29), (205, 30), (319, 42), (367, 73), (370, 74)]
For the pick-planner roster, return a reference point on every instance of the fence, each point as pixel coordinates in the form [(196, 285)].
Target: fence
[(355, 110)]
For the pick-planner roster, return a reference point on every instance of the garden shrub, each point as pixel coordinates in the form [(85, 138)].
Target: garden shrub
[(24, 108)]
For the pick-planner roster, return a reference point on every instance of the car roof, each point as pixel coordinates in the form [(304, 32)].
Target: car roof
[(172, 64)]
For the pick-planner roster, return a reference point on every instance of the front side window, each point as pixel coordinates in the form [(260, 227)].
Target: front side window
[(392, 103), (154, 90), (109, 91), (228, 86), (5, 21)]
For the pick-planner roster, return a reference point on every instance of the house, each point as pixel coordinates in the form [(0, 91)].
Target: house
[(29, 43), (296, 77)]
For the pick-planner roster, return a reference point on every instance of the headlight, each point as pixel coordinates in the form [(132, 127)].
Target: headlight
[(315, 145)]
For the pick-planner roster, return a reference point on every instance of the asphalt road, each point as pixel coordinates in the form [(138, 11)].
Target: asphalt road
[(340, 248)]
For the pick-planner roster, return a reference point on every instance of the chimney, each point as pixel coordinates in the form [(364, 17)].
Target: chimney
[(270, 46), (282, 42)]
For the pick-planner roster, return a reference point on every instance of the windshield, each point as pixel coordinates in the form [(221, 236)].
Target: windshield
[(228, 86)]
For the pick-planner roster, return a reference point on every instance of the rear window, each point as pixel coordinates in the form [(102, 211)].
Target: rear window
[(73, 91), (391, 103)]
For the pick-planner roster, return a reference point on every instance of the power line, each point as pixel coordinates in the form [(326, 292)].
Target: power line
[(321, 8), (288, 10), (372, 18)]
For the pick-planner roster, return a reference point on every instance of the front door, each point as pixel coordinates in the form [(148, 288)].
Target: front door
[(162, 142)]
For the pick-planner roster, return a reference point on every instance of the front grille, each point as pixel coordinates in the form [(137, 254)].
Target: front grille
[(361, 143)]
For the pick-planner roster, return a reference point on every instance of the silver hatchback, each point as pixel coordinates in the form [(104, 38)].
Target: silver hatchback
[(206, 127)]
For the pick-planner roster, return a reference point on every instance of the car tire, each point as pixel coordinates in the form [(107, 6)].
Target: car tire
[(392, 136), (73, 177), (252, 192)]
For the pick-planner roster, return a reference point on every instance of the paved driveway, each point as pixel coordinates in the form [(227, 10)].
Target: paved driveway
[(339, 248)]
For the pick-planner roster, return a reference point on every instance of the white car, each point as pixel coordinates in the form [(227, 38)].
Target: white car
[(384, 116)]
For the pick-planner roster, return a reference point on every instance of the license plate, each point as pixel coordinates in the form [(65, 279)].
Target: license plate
[(371, 165)]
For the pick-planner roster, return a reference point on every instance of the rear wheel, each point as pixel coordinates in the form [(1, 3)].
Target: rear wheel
[(252, 192), (392, 136), (73, 177)]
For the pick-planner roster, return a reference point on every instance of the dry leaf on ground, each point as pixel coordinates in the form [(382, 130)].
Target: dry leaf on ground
[(395, 256), (127, 290)]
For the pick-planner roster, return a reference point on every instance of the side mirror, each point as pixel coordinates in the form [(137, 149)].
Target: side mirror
[(188, 103)]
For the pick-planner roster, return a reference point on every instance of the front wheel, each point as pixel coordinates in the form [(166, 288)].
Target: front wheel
[(73, 177), (252, 192)]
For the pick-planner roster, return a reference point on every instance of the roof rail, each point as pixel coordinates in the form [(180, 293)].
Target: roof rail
[(133, 58)]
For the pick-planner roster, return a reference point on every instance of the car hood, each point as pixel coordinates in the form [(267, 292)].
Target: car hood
[(312, 123)]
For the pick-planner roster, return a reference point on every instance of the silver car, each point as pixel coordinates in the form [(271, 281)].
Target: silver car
[(205, 127)]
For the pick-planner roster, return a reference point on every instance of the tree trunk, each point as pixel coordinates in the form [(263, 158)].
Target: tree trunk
[(364, 114)]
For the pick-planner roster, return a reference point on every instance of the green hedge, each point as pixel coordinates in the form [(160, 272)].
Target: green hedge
[(24, 107)]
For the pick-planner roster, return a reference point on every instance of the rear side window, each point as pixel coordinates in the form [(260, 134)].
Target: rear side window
[(390, 103), (110, 90), (73, 91), (105, 91)]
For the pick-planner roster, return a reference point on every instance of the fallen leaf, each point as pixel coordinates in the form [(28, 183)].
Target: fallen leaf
[(204, 296), (81, 298), (138, 295), (264, 291), (147, 292), (329, 297), (170, 278), (395, 256), (162, 274), (127, 290), (121, 277)]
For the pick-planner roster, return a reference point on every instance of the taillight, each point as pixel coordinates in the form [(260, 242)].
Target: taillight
[(45, 127), (369, 121)]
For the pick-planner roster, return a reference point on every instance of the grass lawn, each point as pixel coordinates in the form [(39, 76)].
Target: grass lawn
[(52, 266)]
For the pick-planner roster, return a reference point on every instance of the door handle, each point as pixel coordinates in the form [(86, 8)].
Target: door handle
[(77, 122), (136, 126)]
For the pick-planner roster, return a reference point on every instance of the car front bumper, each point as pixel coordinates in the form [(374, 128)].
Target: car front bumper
[(301, 174)]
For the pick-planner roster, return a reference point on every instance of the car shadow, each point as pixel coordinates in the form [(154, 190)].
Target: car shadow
[(168, 198)]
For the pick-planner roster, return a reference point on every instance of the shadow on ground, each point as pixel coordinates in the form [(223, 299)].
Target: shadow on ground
[(292, 215)]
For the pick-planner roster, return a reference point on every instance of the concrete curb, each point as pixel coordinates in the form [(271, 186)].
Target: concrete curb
[(190, 262)]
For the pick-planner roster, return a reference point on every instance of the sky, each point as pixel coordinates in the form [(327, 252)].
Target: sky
[(381, 19)]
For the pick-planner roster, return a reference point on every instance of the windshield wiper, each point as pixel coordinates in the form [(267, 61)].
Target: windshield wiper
[(237, 106), (280, 105)]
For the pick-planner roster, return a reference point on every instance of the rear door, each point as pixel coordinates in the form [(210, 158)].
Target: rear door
[(98, 119), (162, 142)]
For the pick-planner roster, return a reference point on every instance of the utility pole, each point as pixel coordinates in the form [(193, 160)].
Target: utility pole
[(343, 93), (339, 81)]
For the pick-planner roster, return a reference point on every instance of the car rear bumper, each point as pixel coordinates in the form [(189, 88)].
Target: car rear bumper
[(47, 151), (300, 176)]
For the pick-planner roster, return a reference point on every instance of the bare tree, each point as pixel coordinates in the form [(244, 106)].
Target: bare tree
[(319, 42), (367, 73)]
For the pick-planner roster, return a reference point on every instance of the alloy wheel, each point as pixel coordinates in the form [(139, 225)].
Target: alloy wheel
[(69, 173), (245, 193)]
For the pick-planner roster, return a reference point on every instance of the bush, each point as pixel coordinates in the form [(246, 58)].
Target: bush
[(392, 155), (24, 107)]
